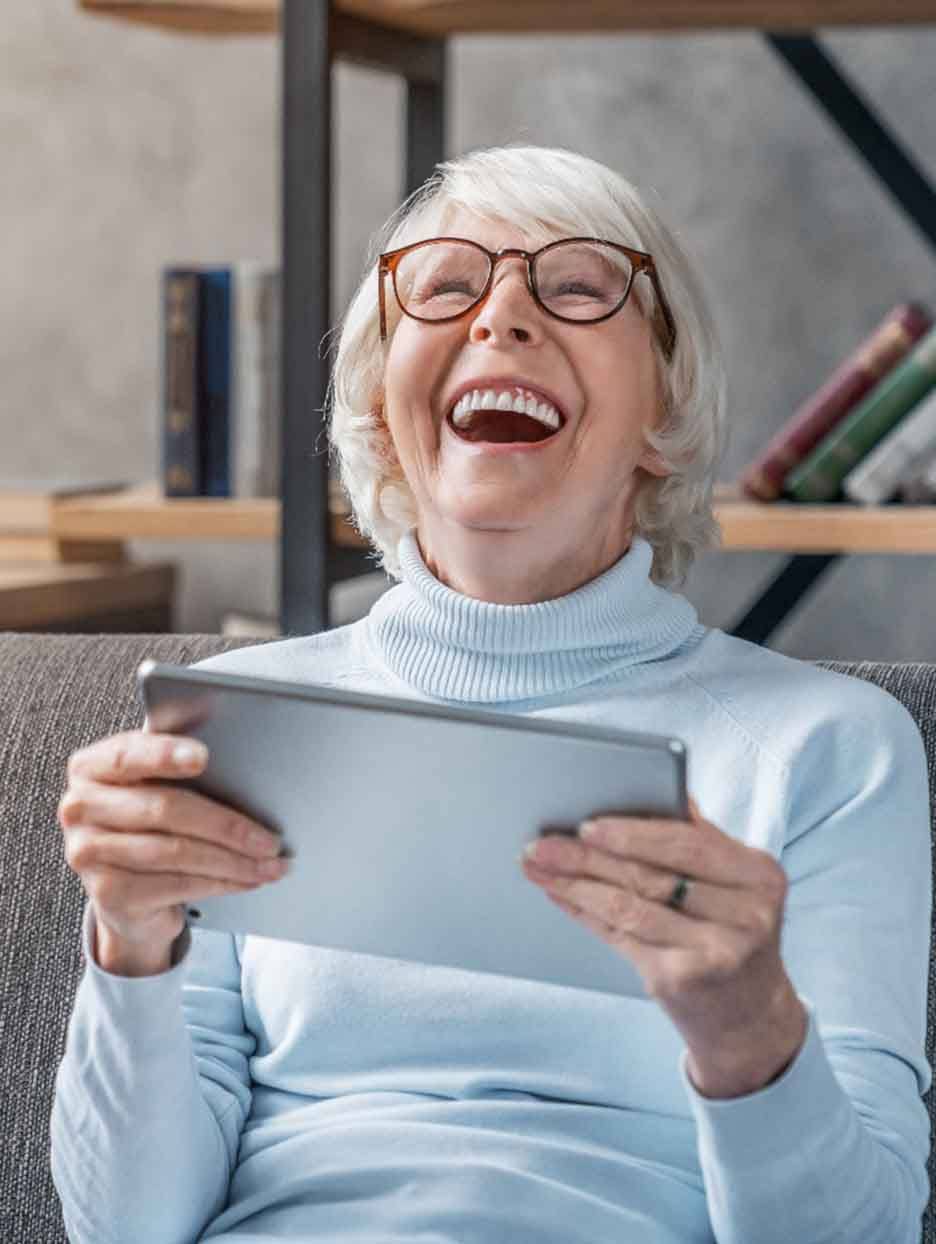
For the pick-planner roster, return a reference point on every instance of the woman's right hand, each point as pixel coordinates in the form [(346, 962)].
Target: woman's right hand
[(144, 848)]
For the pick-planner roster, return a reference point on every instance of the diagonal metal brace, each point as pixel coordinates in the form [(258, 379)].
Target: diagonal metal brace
[(782, 595), (887, 159)]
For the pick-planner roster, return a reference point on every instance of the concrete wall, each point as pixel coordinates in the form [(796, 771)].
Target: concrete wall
[(126, 148)]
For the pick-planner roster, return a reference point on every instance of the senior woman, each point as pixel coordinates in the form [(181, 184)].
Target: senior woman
[(527, 408)]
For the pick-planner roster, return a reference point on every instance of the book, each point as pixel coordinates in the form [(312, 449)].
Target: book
[(820, 476), (221, 390), (918, 484), (181, 451), (255, 388), (214, 380), (877, 476), (861, 371)]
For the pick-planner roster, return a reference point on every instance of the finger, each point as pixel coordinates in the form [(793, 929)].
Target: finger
[(696, 850), (732, 905), (630, 915), (648, 959), (90, 848), (158, 806), (136, 898), (712, 957), (591, 922), (562, 854), (748, 911), (624, 911), (132, 756)]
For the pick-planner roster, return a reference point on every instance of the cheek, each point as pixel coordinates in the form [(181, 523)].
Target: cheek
[(415, 368), (415, 347), (620, 383)]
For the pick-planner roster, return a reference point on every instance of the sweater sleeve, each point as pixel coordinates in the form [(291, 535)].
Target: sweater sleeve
[(835, 1149), (151, 1095)]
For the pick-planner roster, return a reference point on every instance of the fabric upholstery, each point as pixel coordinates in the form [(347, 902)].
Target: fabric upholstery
[(59, 692)]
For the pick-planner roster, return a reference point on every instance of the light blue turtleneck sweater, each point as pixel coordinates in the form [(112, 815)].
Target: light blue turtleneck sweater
[(262, 1090)]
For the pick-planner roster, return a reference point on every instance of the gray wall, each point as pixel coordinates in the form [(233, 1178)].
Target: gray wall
[(126, 148)]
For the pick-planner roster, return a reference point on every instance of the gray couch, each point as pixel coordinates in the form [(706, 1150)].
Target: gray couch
[(57, 693)]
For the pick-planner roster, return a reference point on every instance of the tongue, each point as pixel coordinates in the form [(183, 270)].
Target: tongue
[(502, 426)]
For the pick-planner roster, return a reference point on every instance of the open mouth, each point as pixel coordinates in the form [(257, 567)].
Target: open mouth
[(478, 419), (503, 426)]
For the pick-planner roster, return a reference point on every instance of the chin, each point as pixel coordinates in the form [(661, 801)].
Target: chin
[(476, 515)]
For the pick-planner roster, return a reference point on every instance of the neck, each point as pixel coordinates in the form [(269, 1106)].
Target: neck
[(515, 567)]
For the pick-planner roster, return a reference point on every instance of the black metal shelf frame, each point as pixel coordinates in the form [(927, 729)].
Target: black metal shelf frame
[(313, 37)]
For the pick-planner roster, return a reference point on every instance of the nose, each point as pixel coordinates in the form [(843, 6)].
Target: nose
[(509, 309)]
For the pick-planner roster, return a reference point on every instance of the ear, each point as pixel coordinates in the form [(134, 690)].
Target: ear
[(651, 461), (385, 448)]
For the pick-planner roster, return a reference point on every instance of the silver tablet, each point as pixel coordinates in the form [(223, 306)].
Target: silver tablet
[(406, 820)]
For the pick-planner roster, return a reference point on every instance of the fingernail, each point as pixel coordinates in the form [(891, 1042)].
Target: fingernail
[(273, 868), (588, 829), (263, 842), (188, 754)]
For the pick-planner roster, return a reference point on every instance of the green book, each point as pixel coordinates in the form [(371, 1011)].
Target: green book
[(819, 477)]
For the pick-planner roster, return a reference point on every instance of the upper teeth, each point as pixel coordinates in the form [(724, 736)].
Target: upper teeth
[(521, 401)]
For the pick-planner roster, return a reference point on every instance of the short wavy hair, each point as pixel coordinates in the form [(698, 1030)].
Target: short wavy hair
[(546, 192)]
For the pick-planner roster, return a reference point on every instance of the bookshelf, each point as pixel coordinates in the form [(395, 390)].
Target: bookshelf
[(142, 513), (73, 585), (410, 38)]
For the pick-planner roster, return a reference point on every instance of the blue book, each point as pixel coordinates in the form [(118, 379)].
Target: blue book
[(215, 379)]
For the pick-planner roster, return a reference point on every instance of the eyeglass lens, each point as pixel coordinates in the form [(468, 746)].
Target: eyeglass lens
[(575, 280)]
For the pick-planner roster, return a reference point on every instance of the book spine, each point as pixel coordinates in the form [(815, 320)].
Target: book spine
[(820, 477), (255, 399), (245, 380), (270, 370), (894, 337), (181, 454), (877, 477), (215, 379)]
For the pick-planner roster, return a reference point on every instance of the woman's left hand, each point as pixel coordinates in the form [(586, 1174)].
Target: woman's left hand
[(714, 964)]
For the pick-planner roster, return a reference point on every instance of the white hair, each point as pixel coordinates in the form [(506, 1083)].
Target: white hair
[(547, 193)]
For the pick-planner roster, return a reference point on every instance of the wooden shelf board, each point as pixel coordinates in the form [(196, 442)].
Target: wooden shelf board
[(204, 17), (142, 513), (792, 527), (445, 17)]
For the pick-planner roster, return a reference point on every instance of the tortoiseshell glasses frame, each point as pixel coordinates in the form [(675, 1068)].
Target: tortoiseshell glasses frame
[(640, 261)]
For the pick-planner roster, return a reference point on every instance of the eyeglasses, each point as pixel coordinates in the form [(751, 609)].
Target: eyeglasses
[(577, 280)]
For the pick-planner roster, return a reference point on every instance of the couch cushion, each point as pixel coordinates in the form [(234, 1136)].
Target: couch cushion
[(58, 692)]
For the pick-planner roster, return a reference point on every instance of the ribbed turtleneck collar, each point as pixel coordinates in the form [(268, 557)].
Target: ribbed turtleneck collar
[(454, 647)]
